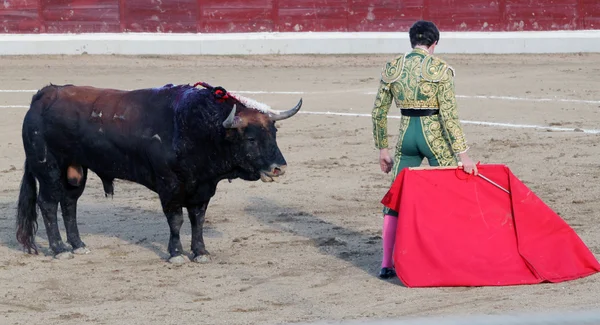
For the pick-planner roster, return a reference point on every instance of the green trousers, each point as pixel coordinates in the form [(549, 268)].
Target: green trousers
[(418, 140)]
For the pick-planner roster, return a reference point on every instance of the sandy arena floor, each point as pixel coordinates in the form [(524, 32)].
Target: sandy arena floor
[(307, 248)]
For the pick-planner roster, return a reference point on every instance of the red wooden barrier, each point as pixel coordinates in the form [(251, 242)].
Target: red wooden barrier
[(80, 16), (236, 16), (226, 16), (589, 11), (21, 16)]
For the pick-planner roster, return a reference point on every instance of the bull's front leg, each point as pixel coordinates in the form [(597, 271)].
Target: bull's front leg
[(197, 214), (174, 216), (171, 201)]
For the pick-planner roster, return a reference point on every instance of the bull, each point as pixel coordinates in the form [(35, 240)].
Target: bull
[(178, 141)]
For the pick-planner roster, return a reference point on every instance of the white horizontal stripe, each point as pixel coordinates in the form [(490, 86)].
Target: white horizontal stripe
[(563, 100), (18, 90)]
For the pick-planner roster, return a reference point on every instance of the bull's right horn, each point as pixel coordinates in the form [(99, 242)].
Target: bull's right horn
[(287, 114)]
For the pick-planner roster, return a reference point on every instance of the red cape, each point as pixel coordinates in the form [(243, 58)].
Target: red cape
[(456, 229)]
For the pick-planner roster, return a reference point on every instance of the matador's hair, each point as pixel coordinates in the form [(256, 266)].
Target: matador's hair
[(423, 33)]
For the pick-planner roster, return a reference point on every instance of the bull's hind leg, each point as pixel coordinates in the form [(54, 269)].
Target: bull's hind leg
[(50, 194), (68, 205)]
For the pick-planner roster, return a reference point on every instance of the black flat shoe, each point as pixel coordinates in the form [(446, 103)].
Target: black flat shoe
[(387, 272)]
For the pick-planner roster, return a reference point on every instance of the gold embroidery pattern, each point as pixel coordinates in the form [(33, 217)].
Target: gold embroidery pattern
[(416, 92), (383, 101), (428, 90), (391, 71), (433, 69), (449, 114), (409, 80), (434, 134)]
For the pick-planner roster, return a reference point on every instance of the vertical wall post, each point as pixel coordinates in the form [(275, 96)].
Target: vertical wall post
[(502, 15), (41, 21), (580, 20), (425, 11), (199, 27), (275, 15), (122, 20)]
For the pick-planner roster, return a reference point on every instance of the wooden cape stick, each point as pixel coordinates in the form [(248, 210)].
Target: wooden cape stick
[(432, 167), (458, 167)]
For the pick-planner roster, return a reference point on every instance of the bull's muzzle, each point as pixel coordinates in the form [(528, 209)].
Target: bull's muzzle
[(273, 173)]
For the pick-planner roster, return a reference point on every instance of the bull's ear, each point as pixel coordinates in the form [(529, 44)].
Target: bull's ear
[(232, 121)]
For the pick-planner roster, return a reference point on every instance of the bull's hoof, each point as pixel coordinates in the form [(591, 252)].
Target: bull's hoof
[(177, 260), (81, 251), (202, 259), (64, 256)]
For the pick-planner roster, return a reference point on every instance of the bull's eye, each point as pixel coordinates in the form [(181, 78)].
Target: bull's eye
[(251, 139)]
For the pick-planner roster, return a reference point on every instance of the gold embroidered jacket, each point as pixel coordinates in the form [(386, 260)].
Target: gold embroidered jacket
[(418, 80)]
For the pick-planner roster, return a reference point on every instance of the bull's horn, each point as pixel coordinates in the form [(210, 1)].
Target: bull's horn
[(229, 121), (286, 114)]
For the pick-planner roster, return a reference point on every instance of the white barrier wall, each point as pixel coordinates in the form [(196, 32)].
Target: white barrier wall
[(295, 43)]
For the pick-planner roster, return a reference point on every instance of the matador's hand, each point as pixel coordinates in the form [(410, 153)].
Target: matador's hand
[(467, 164), (385, 161)]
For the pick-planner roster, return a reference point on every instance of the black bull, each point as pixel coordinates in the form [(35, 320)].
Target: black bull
[(178, 141)]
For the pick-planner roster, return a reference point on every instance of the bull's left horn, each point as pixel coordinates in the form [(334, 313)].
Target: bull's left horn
[(287, 114), (230, 120)]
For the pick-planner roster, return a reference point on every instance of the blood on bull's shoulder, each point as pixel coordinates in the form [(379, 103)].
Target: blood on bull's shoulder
[(177, 140)]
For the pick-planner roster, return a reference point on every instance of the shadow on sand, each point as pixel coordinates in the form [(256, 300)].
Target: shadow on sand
[(132, 225), (361, 249), (148, 229)]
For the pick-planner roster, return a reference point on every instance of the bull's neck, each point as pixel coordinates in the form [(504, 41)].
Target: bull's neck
[(206, 159), (199, 139)]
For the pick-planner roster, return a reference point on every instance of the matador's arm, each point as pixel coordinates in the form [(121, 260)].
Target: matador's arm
[(449, 112), (383, 101)]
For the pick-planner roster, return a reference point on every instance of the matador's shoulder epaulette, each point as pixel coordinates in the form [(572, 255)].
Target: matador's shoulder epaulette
[(391, 70), (435, 69)]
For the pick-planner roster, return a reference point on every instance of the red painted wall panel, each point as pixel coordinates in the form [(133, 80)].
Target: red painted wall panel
[(384, 15), (236, 16), (20, 15), (226, 16), (80, 16), (474, 15), (531, 15), (162, 16), (590, 14), (313, 15)]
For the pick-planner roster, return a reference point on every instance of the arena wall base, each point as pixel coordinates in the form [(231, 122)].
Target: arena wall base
[(294, 43)]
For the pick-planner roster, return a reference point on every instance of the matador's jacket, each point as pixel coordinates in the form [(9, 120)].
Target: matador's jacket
[(422, 85)]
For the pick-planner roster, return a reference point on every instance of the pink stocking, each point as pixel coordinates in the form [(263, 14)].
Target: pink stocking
[(389, 237)]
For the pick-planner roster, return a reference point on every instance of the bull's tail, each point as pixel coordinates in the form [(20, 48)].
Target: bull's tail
[(35, 151), (26, 211)]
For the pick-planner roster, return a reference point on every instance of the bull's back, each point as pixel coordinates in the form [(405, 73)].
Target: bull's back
[(108, 130)]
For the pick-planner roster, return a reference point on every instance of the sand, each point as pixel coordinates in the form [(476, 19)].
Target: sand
[(307, 248)]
